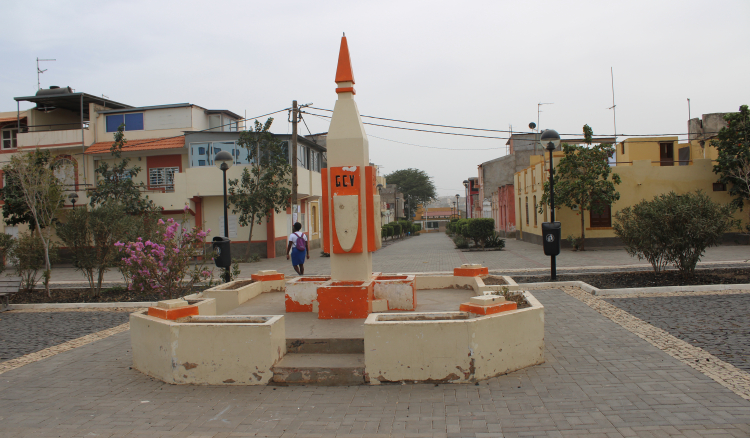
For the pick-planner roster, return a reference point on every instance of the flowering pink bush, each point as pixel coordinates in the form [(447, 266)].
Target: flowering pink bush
[(163, 266)]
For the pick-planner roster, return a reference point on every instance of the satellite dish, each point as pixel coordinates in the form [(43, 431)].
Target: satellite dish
[(532, 125)]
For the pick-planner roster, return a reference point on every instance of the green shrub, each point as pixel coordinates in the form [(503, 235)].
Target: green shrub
[(416, 227), (461, 242), (574, 241), (479, 229), (396, 228), (7, 242), (673, 229), (494, 241), (28, 255)]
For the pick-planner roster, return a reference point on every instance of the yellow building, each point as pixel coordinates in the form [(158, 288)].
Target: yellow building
[(646, 168)]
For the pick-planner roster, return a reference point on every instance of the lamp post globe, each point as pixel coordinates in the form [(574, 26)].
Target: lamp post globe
[(224, 160), (73, 198), (550, 139)]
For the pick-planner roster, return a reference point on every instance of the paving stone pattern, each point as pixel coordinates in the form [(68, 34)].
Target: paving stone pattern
[(27, 332), (719, 324), (599, 380)]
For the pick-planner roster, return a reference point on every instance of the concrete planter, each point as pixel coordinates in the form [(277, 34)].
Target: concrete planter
[(230, 295), (209, 350), (452, 347)]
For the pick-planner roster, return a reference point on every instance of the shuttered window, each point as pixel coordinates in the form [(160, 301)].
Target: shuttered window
[(603, 219)]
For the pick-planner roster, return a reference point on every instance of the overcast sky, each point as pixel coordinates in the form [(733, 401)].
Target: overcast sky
[(476, 64)]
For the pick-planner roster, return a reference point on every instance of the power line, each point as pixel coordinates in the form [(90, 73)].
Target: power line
[(432, 147), (493, 130)]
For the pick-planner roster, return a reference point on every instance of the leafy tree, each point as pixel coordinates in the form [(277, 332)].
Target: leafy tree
[(91, 235), (263, 186), (15, 209), (733, 163), (115, 183), (43, 194), (415, 184), (674, 228), (584, 179)]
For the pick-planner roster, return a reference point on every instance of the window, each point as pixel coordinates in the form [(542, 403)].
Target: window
[(603, 219), (162, 177), (533, 178), (666, 154), (9, 138), (527, 210), (535, 220), (133, 122), (302, 159), (432, 225), (622, 147), (720, 187)]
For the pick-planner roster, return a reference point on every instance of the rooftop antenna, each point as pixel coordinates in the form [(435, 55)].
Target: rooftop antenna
[(40, 71), (104, 102), (539, 110), (614, 107)]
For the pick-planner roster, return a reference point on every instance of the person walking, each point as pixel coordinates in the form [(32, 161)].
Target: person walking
[(298, 246)]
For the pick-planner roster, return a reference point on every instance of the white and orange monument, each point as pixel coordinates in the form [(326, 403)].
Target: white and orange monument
[(225, 335)]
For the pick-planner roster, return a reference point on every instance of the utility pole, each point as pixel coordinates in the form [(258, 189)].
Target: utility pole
[(295, 118)]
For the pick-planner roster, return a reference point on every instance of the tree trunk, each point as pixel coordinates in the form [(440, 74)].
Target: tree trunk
[(583, 230), (47, 264), (250, 237), (98, 291)]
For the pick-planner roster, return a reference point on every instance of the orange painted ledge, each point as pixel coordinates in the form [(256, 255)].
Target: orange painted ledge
[(346, 90), (470, 272), (488, 310), (271, 277), (292, 306), (172, 314), (345, 301)]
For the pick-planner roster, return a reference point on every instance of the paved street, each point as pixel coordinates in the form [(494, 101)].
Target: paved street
[(599, 380), (26, 332), (719, 324), (435, 252)]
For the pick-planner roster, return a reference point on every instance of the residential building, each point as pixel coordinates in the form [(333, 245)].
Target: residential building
[(174, 145), (647, 167)]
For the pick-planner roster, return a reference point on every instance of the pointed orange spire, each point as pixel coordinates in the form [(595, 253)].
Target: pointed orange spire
[(344, 71)]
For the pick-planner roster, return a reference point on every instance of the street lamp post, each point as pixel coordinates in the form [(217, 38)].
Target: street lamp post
[(466, 191), (224, 161), (396, 207), (73, 197), (458, 211), (551, 232)]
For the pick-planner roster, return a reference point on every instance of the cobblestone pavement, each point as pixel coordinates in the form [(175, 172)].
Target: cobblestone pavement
[(435, 252), (719, 324), (599, 380), (26, 332)]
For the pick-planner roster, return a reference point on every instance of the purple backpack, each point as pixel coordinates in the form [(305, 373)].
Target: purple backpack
[(300, 244)]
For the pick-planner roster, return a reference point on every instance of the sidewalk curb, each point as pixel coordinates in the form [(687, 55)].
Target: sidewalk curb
[(81, 305), (636, 290)]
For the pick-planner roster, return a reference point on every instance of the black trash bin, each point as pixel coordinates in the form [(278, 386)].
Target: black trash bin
[(222, 252), (551, 232)]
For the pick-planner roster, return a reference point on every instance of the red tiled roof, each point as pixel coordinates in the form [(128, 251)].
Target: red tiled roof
[(11, 119), (148, 144)]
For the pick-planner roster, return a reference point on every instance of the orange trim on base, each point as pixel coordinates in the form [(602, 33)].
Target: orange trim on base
[(269, 277), (488, 310), (172, 314), (470, 272), (345, 300), (346, 90), (294, 307)]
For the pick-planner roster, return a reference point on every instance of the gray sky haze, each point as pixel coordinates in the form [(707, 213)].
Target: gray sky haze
[(477, 64)]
